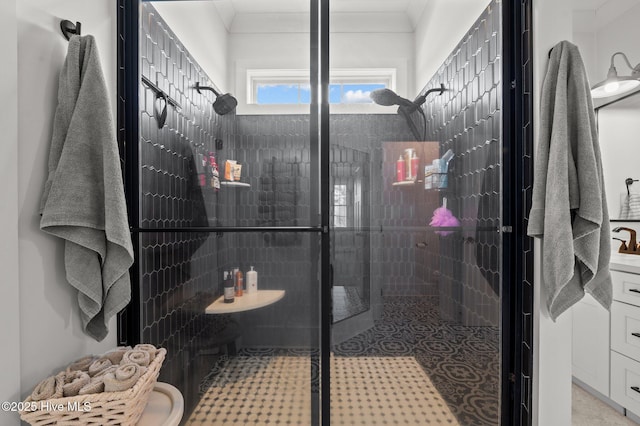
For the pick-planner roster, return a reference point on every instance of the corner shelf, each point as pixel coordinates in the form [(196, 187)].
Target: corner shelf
[(406, 183), (246, 302), (236, 184)]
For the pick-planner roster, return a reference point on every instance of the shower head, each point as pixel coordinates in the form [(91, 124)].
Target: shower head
[(387, 97), (223, 104)]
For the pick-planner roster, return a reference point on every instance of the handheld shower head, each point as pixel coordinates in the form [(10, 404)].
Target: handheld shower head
[(223, 104), (387, 97)]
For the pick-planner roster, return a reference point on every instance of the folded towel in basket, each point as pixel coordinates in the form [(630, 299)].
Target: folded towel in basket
[(115, 356), (99, 365), (81, 364), (73, 382), (123, 378), (96, 385), (142, 358), (147, 348), (51, 387)]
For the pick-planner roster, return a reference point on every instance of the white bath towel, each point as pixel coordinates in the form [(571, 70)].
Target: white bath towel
[(569, 208), (83, 201), (630, 209)]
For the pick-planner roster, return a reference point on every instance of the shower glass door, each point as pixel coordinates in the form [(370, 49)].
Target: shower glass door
[(349, 232), (223, 178), (426, 350), (253, 140)]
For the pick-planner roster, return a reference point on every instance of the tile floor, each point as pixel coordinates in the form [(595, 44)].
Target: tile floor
[(587, 410), (411, 368), (347, 302), (367, 391), (462, 362)]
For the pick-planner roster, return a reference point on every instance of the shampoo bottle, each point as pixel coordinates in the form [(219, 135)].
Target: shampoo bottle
[(239, 283), (400, 169), (414, 166), (229, 291), (252, 281)]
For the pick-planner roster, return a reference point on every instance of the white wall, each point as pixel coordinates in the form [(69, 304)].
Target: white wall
[(552, 341), (9, 281), (200, 29), (50, 331), (441, 27), (622, 34), (272, 43), (601, 32)]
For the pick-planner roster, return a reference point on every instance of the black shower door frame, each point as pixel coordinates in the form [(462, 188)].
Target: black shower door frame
[(517, 271)]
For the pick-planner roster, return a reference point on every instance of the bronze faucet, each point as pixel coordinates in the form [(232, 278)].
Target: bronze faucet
[(632, 247)]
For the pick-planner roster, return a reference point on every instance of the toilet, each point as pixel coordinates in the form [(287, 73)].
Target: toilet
[(165, 406)]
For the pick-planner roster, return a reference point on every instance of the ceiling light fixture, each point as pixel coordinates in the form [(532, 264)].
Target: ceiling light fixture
[(614, 84)]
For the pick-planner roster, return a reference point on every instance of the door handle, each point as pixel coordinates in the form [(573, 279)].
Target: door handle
[(634, 290), (635, 334), (635, 388)]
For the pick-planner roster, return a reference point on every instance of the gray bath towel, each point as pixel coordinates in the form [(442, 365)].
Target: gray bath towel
[(569, 209), (83, 201)]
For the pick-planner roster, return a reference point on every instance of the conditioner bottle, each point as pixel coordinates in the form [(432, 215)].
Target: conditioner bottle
[(252, 281)]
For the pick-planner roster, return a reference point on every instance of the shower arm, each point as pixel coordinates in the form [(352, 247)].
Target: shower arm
[(199, 88)]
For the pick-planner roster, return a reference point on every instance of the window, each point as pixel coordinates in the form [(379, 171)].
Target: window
[(340, 206), (291, 87)]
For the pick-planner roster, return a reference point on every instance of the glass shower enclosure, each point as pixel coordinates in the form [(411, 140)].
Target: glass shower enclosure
[(266, 151)]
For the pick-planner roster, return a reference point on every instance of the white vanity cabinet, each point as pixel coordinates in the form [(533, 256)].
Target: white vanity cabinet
[(625, 340), (606, 345)]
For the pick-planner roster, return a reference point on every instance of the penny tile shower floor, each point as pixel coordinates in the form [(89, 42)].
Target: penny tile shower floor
[(411, 368)]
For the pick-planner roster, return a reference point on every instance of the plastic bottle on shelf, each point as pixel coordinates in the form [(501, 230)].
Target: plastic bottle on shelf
[(400, 169), (239, 281), (229, 290), (414, 166), (215, 174), (252, 281)]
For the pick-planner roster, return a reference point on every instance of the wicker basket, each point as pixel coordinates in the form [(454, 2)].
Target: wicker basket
[(106, 408)]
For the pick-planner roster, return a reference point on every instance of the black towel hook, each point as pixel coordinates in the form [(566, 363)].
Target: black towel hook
[(68, 28), (629, 181)]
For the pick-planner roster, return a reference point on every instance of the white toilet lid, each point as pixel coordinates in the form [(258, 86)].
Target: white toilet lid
[(165, 407)]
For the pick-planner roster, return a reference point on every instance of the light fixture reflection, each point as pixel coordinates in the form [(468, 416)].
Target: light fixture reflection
[(616, 85)]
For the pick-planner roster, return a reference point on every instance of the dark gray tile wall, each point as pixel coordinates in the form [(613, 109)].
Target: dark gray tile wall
[(178, 270), (467, 119), (284, 138)]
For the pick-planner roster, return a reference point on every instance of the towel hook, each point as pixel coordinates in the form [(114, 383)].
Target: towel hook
[(629, 181), (68, 28)]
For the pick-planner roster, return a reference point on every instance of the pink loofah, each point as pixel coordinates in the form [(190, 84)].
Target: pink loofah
[(443, 217)]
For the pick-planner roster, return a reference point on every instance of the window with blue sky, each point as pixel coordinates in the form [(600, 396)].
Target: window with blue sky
[(291, 87)]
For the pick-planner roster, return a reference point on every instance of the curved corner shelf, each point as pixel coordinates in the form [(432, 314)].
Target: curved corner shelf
[(236, 184), (245, 303), (406, 183)]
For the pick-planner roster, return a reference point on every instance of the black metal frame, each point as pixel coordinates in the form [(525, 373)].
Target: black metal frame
[(517, 111), (517, 107)]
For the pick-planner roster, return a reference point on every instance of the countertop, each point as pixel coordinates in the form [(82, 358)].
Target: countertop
[(625, 262)]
